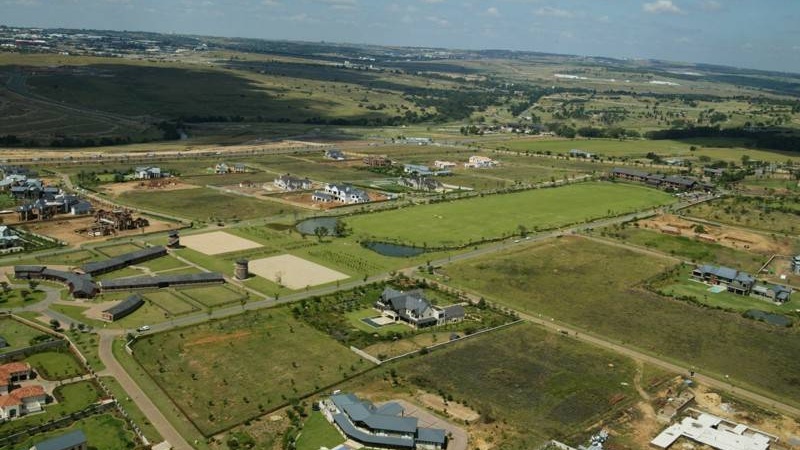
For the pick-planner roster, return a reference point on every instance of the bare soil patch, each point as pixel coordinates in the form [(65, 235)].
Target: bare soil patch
[(218, 338), (163, 184), (64, 229), (293, 272), (217, 242), (453, 409), (727, 236)]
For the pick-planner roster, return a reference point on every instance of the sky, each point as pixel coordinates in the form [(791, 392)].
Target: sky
[(760, 34)]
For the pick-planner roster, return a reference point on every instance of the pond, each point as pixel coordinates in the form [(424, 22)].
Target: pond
[(308, 226), (396, 250), (772, 319)]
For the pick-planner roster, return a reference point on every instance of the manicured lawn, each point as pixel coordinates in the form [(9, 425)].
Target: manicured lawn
[(71, 398), (53, 365), (122, 273), (596, 287), (104, 431), (463, 221), (87, 344), (170, 302), (18, 335), (163, 263), (133, 411), (233, 369), (14, 298), (204, 204), (212, 296), (355, 318), (118, 249), (539, 383), (318, 432)]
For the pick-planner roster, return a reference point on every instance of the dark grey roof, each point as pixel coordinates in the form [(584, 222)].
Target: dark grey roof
[(629, 172), (719, 271), (370, 439), (434, 435), (454, 311), (64, 441), (392, 424), (82, 285), (28, 268), (389, 409), (412, 300), (3, 342), (683, 181), (162, 281), (126, 306), (120, 261)]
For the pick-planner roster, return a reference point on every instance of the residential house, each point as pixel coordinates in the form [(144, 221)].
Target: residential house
[(576, 153), (335, 154), (13, 372), (421, 183), (772, 292), (418, 169), (713, 172), (290, 183), (377, 161), (22, 401), (321, 197), (737, 282), (221, 168), (413, 308), (380, 427), (630, 174), (239, 168), (8, 238), (345, 193), (74, 440), (713, 432), (479, 162), (672, 182), (147, 173), (81, 208), (444, 165), (418, 140)]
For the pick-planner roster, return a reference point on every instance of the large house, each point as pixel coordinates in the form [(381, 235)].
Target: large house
[(413, 308), (479, 162), (8, 238), (342, 193), (335, 154), (148, 173), (444, 165), (74, 440), (740, 283), (421, 183), (13, 372), (418, 169), (21, 401), (713, 432), (290, 183), (772, 292), (380, 427)]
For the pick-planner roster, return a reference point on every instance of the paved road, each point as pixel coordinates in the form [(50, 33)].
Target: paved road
[(148, 408)]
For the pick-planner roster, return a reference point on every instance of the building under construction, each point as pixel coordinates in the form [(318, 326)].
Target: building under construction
[(108, 223)]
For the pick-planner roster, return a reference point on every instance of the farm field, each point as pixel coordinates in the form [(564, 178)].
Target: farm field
[(460, 222), (103, 431), (779, 216), (218, 382), (537, 383), (205, 204), (604, 297)]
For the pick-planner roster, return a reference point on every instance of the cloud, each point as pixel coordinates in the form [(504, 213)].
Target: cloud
[(493, 11), (549, 11), (662, 6)]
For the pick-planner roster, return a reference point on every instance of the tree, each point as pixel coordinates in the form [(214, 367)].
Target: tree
[(321, 232), (745, 160), (523, 231), (55, 324), (33, 284)]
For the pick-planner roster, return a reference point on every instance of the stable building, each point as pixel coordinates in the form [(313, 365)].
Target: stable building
[(123, 261), (123, 308), (162, 281)]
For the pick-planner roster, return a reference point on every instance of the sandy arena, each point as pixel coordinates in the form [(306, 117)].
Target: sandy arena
[(217, 242), (293, 272)]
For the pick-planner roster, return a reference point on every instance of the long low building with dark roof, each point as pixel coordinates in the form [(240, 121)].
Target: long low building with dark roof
[(122, 261), (80, 285), (162, 281), (381, 427), (123, 308), (676, 182)]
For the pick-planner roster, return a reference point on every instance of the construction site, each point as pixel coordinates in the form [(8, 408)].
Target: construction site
[(111, 222)]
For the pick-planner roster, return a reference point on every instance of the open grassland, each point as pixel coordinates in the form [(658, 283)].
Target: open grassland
[(235, 369), (103, 431), (779, 214), (716, 150), (461, 222), (542, 385), (596, 287), (204, 204), (56, 365), (17, 334), (688, 248)]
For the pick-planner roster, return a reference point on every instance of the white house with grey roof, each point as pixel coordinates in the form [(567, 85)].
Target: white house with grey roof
[(380, 427), (344, 193), (289, 183), (414, 309)]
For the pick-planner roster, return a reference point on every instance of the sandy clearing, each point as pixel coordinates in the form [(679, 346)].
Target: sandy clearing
[(161, 184), (293, 272), (218, 338), (217, 242)]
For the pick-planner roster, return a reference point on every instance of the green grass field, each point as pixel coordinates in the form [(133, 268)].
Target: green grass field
[(593, 286), (15, 299), (55, 365), (463, 221), (103, 431), (205, 204), (541, 384), (118, 249), (162, 264), (170, 302), (18, 335), (779, 214), (212, 296), (317, 432), (237, 368)]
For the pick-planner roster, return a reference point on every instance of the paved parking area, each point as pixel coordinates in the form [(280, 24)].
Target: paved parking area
[(458, 435)]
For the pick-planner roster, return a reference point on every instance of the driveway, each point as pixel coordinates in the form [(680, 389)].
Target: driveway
[(458, 436)]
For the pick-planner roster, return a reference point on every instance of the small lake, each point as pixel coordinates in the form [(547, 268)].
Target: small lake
[(308, 226), (772, 319), (396, 250)]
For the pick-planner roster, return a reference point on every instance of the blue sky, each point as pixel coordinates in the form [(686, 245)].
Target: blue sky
[(760, 34)]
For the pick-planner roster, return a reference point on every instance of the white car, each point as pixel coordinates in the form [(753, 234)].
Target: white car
[(143, 328)]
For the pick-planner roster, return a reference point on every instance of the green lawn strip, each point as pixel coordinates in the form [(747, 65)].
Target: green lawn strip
[(56, 365), (602, 297), (317, 432), (163, 263), (158, 397), (127, 272), (117, 249), (461, 222), (88, 345), (14, 298), (218, 382), (133, 411), (541, 384), (71, 397), (170, 302), (17, 334), (103, 431), (214, 296)]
